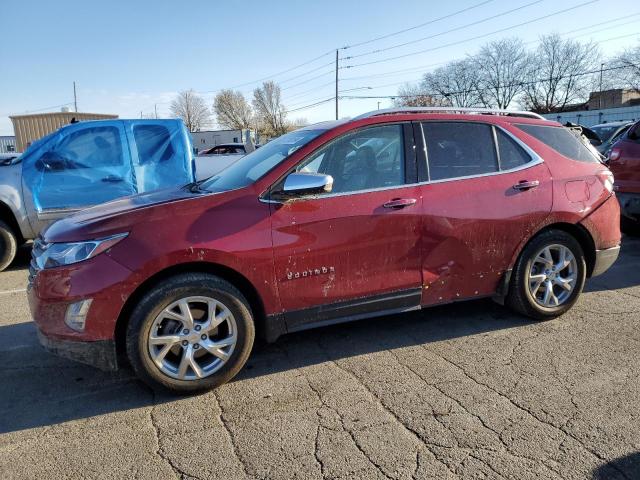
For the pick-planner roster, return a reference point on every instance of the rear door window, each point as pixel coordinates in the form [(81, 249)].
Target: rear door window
[(562, 141), (459, 149), (510, 153)]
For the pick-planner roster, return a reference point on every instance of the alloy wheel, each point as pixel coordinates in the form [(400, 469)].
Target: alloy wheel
[(553, 275), (192, 338)]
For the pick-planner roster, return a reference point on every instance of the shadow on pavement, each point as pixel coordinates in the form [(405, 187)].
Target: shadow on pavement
[(629, 464), (41, 389)]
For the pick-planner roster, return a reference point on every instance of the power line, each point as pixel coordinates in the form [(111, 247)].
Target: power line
[(36, 110), (416, 26), (330, 99), (477, 37), (283, 71), (347, 47), (476, 89), (435, 35), (565, 33)]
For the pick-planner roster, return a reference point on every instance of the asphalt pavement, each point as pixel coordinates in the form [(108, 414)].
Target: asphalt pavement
[(468, 390)]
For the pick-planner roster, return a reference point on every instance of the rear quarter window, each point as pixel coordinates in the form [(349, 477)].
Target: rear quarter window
[(562, 141)]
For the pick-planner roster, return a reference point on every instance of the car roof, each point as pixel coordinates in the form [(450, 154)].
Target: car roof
[(237, 144), (620, 123)]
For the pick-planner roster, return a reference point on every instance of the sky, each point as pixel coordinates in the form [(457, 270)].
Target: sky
[(128, 57)]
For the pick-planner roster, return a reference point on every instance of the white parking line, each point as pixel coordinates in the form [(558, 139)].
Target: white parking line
[(8, 292)]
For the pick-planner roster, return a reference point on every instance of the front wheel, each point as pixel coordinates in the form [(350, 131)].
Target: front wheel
[(193, 332), (548, 276)]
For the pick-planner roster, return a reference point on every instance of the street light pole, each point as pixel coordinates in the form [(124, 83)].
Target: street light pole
[(600, 96)]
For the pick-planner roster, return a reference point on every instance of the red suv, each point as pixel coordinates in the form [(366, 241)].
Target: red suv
[(624, 161), (392, 211)]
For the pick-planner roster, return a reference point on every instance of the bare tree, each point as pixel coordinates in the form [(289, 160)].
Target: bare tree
[(629, 75), (502, 68), (192, 109), (232, 110), (270, 112), (558, 67), (457, 81), (416, 96)]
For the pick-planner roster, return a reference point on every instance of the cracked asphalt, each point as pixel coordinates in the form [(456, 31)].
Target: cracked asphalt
[(461, 391)]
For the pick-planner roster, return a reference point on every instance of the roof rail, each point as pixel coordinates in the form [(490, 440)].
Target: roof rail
[(470, 111)]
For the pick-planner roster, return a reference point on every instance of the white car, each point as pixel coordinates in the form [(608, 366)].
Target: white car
[(213, 160)]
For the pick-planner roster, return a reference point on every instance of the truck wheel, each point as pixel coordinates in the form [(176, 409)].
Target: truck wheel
[(193, 332), (8, 245), (548, 276)]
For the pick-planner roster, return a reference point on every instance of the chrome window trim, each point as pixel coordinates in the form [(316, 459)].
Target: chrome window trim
[(535, 160)]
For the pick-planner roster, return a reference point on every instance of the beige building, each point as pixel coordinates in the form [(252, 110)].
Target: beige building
[(29, 128), (613, 98)]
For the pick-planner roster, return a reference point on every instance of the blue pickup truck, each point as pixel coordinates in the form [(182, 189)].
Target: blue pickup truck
[(84, 164)]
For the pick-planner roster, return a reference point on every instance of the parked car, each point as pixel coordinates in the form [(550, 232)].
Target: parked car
[(624, 161), (84, 164), (609, 134), (330, 223), (7, 158), (215, 159)]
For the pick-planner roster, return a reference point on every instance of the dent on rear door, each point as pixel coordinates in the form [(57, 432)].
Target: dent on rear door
[(473, 228)]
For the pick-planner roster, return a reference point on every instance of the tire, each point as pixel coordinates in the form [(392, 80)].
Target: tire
[(151, 315), (8, 245), (520, 297)]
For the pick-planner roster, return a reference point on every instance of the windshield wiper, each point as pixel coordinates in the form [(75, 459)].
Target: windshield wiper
[(194, 187)]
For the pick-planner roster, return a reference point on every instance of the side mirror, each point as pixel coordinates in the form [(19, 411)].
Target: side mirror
[(298, 183), (596, 142)]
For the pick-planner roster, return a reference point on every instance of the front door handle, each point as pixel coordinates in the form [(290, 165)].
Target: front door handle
[(526, 185), (398, 203)]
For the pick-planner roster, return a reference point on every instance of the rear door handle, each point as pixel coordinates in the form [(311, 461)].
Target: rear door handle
[(526, 185), (398, 203)]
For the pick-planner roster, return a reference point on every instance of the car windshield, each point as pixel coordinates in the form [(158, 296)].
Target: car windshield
[(253, 166), (605, 132)]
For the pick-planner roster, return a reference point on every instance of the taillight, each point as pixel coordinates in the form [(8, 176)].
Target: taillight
[(615, 154), (606, 177)]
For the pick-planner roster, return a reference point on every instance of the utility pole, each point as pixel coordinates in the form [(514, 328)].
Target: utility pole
[(600, 96), (75, 98), (155, 108), (336, 84), (378, 105)]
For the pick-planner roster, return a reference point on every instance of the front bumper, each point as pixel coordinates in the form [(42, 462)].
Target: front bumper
[(51, 291), (604, 259), (100, 354)]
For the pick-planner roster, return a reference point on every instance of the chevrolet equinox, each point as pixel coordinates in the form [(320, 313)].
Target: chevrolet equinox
[(392, 211)]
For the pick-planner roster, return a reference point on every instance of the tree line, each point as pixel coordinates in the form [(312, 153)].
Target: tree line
[(555, 74), (266, 113)]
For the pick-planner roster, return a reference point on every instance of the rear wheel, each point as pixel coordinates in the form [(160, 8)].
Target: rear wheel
[(193, 332), (8, 245), (548, 277)]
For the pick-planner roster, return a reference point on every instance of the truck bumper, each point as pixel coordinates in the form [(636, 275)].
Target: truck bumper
[(604, 259)]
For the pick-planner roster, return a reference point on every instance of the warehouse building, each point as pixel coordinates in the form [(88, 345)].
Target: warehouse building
[(29, 128)]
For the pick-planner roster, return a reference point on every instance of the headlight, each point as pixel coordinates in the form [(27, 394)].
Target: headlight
[(57, 254)]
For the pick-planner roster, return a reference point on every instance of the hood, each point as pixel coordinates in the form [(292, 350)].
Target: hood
[(114, 217)]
